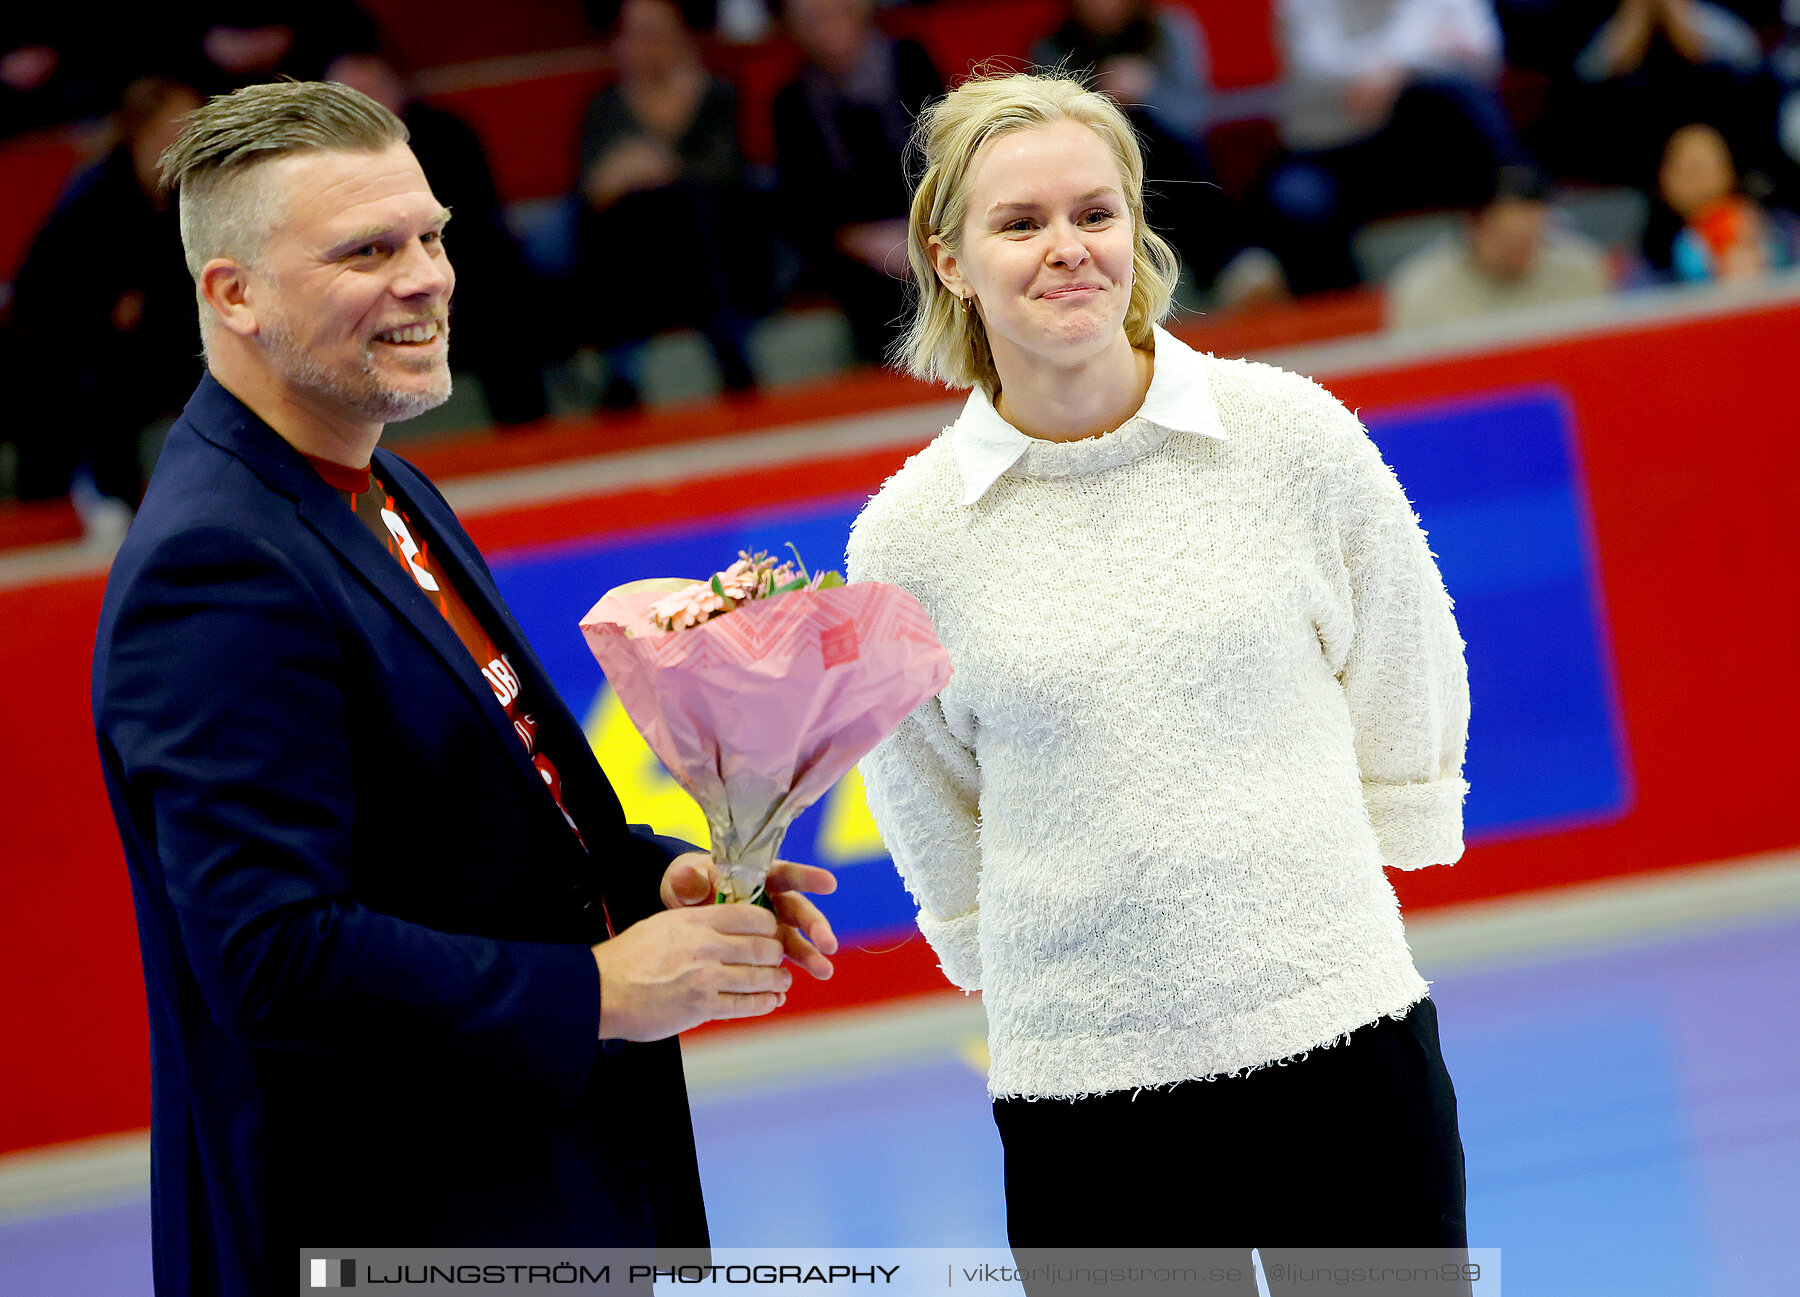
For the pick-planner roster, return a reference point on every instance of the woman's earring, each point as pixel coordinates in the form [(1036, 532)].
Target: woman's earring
[(969, 306)]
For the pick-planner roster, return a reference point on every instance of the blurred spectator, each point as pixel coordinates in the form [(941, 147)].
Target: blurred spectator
[(1151, 59), (1625, 73), (1511, 253), (224, 44), (1784, 63), (743, 22), (105, 311), (1388, 106), (495, 291), (668, 236), (69, 63), (51, 71), (840, 139), (1143, 55), (1703, 226)]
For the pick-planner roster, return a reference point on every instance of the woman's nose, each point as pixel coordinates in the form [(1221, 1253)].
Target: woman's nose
[(1068, 251)]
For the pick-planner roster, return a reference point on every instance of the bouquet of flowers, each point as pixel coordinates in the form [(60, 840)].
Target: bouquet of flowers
[(760, 687)]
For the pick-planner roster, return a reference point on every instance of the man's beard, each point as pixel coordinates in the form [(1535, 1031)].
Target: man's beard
[(364, 392)]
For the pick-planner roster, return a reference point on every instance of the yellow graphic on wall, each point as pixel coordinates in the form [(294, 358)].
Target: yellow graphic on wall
[(847, 831), (645, 789)]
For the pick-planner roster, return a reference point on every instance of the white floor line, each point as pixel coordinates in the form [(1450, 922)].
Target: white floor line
[(909, 426), (83, 1172), (1615, 912), (948, 1025), (1648, 308)]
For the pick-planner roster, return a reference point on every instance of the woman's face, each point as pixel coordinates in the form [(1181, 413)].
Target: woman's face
[(1046, 244)]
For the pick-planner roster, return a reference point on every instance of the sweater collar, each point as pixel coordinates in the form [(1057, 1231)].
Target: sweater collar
[(1180, 399)]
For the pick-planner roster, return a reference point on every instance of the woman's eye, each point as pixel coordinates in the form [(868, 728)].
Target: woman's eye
[(1016, 227), (1096, 216)]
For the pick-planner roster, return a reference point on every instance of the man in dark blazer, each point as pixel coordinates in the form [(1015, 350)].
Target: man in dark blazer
[(374, 862)]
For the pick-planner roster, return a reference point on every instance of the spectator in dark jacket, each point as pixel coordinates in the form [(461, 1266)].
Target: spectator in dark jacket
[(840, 139), (496, 292), (224, 44), (104, 308), (1151, 59), (1387, 106), (667, 235), (50, 71)]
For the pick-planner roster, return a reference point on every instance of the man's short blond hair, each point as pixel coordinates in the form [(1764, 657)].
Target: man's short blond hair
[(946, 343), (212, 167)]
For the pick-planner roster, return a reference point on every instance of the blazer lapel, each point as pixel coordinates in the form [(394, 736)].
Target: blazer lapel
[(229, 424), (222, 419), (586, 791)]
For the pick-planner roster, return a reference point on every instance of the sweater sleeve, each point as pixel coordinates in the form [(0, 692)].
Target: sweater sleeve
[(923, 788), (1404, 676), (923, 782)]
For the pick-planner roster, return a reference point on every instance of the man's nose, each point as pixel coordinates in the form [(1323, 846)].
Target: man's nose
[(423, 273)]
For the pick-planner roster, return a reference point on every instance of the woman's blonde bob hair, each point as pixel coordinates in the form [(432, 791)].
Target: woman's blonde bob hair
[(945, 342)]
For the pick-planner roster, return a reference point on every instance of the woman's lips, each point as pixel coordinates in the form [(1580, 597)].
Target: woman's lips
[(1069, 290)]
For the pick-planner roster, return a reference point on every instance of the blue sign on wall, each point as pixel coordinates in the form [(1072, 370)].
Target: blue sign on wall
[(1496, 484)]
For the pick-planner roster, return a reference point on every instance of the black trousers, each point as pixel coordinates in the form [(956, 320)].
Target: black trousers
[(1354, 1146)]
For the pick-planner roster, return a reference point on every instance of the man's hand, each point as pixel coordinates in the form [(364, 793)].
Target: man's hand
[(683, 967), (806, 936)]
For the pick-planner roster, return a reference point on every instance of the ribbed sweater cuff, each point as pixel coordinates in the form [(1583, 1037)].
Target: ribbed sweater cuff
[(957, 943), (1417, 824)]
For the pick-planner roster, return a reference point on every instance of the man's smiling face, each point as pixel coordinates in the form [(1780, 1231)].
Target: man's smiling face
[(353, 299)]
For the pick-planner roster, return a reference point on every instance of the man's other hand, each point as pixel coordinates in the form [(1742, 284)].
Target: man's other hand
[(806, 935)]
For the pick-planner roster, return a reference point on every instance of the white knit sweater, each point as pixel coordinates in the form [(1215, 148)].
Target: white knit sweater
[(1206, 687)]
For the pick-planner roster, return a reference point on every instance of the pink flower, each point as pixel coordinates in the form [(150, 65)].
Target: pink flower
[(742, 579), (753, 576), (689, 606)]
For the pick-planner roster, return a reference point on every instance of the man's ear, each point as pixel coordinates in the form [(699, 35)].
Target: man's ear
[(225, 287), (944, 262)]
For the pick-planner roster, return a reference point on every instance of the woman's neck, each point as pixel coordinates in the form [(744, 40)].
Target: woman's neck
[(1068, 402)]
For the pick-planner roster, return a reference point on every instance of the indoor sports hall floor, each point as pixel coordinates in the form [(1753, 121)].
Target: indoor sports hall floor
[(1624, 1056)]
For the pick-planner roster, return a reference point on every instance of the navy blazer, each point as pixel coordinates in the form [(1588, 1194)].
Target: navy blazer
[(365, 925)]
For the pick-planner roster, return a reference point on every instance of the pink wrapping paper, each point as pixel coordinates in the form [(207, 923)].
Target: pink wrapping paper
[(759, 711)]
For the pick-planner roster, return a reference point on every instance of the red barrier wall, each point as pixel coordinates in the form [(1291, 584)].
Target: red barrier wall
[(1689, 448)]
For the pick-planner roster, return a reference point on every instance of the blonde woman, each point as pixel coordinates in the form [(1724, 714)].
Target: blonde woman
[(1207, 689)]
